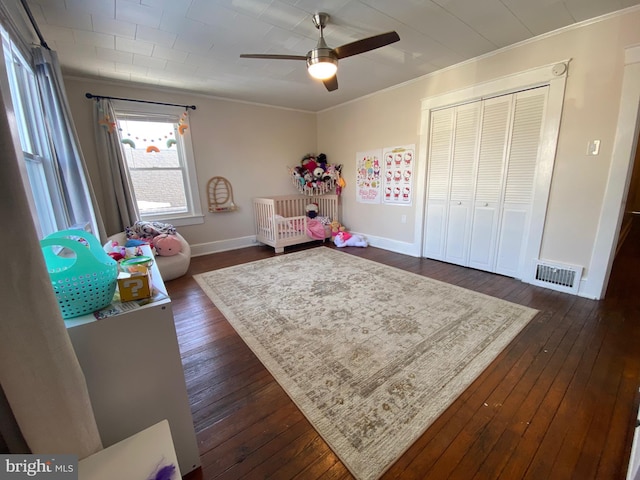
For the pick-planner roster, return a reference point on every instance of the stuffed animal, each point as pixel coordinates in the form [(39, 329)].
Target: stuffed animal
[(312, 210), (346, 239), (148, 230), (335, 228), (167, 245), (309, 163)]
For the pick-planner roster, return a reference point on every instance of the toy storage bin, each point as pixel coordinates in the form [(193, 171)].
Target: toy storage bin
[(83, 281)]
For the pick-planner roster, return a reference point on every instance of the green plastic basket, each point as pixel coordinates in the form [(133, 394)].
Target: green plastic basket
[(83, 276)]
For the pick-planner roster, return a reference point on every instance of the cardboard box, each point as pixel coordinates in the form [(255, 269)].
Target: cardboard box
[(134, 286)]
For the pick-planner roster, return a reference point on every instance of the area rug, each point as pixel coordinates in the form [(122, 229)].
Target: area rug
[(371, 354)]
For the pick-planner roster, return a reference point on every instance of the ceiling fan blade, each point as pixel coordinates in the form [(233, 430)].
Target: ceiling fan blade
[(331, 83), (366, 44), (273, 57)]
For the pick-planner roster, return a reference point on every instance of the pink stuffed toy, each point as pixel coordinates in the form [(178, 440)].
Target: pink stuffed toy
[(167, 245), (346, 239)]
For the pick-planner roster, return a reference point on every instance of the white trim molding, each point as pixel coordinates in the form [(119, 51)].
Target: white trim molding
[(624, 147), (198, 249)]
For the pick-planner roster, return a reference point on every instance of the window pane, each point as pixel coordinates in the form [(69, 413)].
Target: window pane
[(38, 182), (149, 143), (140, 158), (152, 154), (159, 191)]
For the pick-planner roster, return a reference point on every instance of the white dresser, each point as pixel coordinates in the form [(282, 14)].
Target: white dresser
[(131, 362)]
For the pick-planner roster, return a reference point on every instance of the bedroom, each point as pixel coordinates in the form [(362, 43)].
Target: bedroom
[(266, 140)]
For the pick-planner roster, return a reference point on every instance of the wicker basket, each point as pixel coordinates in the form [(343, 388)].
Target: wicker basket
[(83, 281)]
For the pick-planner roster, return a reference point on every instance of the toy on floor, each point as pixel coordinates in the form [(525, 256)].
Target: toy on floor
[(335, 228), (346, 239)]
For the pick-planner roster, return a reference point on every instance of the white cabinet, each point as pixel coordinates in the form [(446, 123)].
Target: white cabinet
[(134, 374), (138, 457)]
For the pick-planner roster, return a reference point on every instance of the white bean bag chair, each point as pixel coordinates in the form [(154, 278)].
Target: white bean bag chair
[(170, 267)]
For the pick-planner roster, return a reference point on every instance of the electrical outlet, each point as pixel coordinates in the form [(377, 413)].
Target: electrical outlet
[(403, 219)]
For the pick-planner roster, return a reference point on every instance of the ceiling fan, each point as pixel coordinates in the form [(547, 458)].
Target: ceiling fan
[(322, 61)]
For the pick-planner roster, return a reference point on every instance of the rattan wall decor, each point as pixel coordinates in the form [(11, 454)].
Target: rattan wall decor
[(220, 194)]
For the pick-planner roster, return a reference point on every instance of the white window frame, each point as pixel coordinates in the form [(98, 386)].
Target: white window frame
[(50, 213), (147, 111)]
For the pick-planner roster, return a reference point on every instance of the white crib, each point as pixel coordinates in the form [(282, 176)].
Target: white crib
[(281, 221)]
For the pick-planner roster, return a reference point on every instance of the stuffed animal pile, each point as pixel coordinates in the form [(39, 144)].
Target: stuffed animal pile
[(161, 236), (314, 173), (342, 238)]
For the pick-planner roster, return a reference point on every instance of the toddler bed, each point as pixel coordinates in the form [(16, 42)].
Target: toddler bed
[(281, 221)]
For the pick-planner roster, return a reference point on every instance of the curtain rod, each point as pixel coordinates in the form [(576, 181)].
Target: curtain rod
[(97, 97), (27, 10)]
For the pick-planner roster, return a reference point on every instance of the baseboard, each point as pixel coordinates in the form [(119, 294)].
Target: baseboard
[(394, 245), (199, 249)]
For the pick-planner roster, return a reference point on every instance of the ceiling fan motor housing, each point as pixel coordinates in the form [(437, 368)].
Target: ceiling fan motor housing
[(321, 55)]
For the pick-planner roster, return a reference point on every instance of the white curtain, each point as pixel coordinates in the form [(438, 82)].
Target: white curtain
[(119, 206), (39, 372), (72, 171)]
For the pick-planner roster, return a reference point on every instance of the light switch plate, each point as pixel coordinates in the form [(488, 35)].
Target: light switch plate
[(593, 148)]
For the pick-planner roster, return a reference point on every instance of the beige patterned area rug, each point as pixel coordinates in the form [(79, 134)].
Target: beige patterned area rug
[(371, 354)]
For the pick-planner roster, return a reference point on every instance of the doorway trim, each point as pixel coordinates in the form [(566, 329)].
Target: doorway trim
[(624, 147)]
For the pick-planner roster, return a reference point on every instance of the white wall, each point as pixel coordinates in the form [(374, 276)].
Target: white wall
[(592, 98), (250, 145)]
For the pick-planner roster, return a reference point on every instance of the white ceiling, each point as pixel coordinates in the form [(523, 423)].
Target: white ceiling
[(195, 44)]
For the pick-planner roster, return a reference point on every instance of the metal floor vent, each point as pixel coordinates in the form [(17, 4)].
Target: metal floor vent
[(564, 278)]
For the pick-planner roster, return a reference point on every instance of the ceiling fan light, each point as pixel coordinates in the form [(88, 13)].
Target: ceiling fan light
[(323, 70), (322, 64)]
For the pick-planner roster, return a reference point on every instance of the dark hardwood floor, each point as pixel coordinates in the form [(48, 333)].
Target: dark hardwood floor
[(559, 402)]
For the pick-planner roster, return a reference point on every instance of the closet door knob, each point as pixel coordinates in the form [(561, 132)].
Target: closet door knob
[(486, 204), (459, 203)]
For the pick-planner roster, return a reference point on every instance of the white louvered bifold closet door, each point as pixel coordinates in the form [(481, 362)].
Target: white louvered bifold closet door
[(463, 165), (522, 158), (440, 142), (482, 164), (494, 135)]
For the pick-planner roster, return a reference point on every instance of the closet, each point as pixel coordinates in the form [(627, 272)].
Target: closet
[(481, 176)]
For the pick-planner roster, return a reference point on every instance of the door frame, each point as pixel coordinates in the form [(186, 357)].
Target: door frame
[(555, 78), (617, 188)]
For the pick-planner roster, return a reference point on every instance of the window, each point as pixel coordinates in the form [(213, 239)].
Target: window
[(157, 147), (37, 151)]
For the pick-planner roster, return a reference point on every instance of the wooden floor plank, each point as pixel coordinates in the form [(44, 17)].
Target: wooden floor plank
[(551, 365), (559, 402)]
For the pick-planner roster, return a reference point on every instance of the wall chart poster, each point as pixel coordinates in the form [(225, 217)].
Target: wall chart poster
[(398, 166), (368, 177)]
